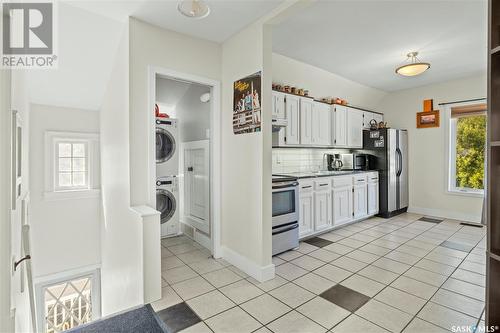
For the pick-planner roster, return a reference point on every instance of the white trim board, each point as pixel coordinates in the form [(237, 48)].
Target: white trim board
[(447, 214), (215, 144), (259, 273)]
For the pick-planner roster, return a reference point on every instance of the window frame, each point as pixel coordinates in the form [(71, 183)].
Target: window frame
[(451, 134), (55, 192), (57, 186), (41, 284)]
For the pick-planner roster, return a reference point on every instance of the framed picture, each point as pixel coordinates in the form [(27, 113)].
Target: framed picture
[(246, 104), (427, 119)]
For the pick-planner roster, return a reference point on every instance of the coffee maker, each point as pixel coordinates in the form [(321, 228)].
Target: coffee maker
[(334, 162)]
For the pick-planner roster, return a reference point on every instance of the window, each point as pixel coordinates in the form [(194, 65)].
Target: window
[(68, 303), (467, 148), (71, 165)]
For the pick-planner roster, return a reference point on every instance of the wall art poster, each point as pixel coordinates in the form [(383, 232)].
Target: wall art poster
[(246, 104)]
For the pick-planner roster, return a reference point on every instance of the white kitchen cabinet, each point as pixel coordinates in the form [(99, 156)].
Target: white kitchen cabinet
[(322, 205), (306, 208), (354, 128), (342, 205), (321, 121), (292, 107), (278, 110), (306, 121), (339, 126), (373, 194), (360, 197), (342, 200)]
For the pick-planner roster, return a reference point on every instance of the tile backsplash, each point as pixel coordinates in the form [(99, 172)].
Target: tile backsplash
[(287, 160)]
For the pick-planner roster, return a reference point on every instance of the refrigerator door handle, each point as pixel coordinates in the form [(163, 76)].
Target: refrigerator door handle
[(400, 162)]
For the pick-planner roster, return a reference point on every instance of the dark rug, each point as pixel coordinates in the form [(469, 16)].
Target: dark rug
[(143, 320)]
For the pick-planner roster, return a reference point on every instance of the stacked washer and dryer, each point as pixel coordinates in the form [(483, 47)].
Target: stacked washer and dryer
[(167, 170)]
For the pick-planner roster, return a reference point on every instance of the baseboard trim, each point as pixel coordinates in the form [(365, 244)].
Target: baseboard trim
[(445, 214), (259, 273)]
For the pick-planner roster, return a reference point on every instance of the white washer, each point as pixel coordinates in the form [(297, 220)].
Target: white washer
[(167, 203), (167, 147)]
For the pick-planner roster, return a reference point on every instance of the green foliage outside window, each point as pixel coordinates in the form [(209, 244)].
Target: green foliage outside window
[(470, 144)]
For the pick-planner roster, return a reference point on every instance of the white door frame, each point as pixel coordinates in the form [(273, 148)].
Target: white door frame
[(215, 144)]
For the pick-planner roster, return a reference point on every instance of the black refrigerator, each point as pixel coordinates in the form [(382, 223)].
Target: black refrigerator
[(389, 148)]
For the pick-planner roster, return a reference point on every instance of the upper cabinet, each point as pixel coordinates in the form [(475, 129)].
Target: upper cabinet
[(322, 115), (306, 121), (278, 111), (339, 134), (355, 128), (311, 123), (291, 131)]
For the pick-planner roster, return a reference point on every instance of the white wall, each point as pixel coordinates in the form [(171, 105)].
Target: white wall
[(121, 229), (427, 147), (58, 225), (153, 46), (321, 83), (193, 115)]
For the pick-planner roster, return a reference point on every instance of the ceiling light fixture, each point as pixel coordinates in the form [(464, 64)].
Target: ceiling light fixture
[(415, 67), (197, 9)]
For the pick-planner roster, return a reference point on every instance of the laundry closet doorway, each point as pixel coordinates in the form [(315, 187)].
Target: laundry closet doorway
[(186, 186)]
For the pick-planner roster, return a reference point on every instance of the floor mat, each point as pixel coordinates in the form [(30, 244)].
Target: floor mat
[(143, 320)]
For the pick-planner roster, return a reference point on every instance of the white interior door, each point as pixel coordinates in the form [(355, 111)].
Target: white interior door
[(196, 172)]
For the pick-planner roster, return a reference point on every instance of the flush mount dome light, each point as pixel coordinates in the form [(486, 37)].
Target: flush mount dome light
[(415, 67), (197, 9)]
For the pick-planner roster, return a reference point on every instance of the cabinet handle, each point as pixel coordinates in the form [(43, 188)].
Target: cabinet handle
[(323, 184), (374, 178), (308, 186)]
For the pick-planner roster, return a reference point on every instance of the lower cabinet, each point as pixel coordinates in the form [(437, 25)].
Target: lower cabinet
[(342, 205), (373, 194), (329, 202), (306, 209), (360, 197), (322, 205)]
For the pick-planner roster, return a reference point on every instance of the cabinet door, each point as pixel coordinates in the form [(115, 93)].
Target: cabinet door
[(354, 128), (292, 107), (306, 211), (306, 121), (373, 198), (342, 205), (278, 105), (340, 125), (322, 210), (321, 133), (360, 201)]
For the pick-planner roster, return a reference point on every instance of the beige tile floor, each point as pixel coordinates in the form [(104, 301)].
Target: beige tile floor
[(413, 284)]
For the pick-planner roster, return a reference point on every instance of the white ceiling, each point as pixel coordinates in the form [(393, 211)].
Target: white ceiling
[(226, 18), (86, 49), (366, 40)]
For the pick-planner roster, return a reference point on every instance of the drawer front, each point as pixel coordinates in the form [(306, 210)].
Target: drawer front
[(373, 177), (305, 186), (322, 184), (342, 181), (359, 179)]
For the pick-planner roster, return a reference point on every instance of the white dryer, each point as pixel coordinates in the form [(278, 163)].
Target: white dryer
[(167, 147), (167, 203)]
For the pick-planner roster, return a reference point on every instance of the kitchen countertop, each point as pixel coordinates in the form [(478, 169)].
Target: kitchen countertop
[(302, 175)]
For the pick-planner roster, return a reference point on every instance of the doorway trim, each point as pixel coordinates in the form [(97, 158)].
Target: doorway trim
[(215, 144)]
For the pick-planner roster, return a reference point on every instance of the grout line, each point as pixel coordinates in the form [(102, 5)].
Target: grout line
[(385, 233)]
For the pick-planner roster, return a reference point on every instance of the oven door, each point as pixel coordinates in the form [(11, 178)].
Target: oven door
[(285, 203)]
